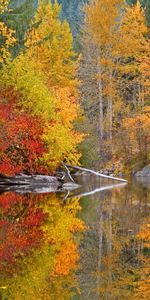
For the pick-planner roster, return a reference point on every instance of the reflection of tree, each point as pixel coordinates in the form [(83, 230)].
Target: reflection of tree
[(20, 222), (143, 284), (119, 274), (38, 252), (111, 249)]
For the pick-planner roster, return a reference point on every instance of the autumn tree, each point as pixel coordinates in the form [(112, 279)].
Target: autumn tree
[(57, 60), (102, 29), (44, 77), (120, 38), (134, 140), (146, 5), (21, 145), (18, 18), (7, 36)]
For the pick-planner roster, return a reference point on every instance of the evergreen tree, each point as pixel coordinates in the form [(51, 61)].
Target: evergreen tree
[(72, 11)]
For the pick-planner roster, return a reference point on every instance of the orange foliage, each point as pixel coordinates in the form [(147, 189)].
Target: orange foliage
[(134, 137), (143, 285), (67, 259)]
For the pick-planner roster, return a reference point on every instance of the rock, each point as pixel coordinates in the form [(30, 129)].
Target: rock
[(145, 172)]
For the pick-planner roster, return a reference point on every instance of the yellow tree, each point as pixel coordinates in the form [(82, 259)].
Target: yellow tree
[(50, 47), (103, 24), (145, 72), (133, 47), (119, 33), (133, 85), (7, 38), (44, 76)]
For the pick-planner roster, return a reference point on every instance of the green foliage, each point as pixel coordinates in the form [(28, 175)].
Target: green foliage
[(72, 12)]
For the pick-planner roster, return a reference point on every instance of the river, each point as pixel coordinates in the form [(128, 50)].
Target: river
[(92, 243)]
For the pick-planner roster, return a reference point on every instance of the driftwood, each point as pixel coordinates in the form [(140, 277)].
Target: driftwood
[(95, 173), (45, 184), (23, 179), (68, 172), (35, 184)]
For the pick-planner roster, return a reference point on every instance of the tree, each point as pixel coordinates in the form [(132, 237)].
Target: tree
[(7, 38), (146, 5), (119, 35), (102, 29), (72, 12), (18, 18), (42, 80), (57, 61), (21, 145), (134, 139)]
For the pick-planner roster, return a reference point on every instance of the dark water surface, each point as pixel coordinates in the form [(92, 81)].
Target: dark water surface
[(88, 244)]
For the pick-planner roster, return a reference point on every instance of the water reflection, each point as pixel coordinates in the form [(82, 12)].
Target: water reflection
[(114, 251), (76, 248), (38, 249)]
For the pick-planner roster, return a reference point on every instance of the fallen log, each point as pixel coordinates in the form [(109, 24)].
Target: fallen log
[(30, 180), (94, 173), (35, 184), (68, 172)]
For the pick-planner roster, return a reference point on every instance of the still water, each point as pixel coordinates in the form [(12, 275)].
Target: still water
[(92, 243)]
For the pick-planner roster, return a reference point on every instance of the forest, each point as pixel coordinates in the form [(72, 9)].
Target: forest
[(74, 85), (75, 91)]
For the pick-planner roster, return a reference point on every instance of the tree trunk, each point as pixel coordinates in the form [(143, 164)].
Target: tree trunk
[(100, 98), (110, 106)]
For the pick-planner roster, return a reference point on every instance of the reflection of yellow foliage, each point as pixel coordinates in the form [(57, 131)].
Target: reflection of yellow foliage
[(65, 223), (48, 273), (67, 259), (115, 278), (144, 234), (143, 285)]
